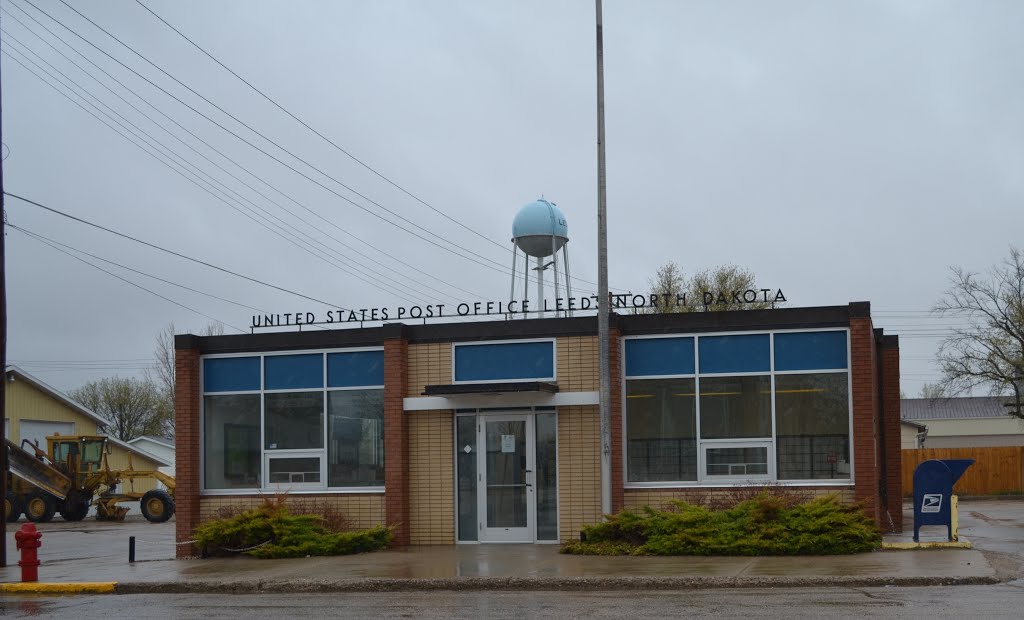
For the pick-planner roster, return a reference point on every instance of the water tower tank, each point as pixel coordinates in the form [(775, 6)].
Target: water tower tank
[(536, 224)]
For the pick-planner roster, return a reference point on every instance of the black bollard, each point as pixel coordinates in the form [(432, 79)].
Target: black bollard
[(131, 549)]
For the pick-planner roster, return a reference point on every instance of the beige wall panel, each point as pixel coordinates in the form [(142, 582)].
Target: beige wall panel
[(579, 469), (25, 402), (361, 511), (431, 478), (577, 364), (659, 499), (429, 364)]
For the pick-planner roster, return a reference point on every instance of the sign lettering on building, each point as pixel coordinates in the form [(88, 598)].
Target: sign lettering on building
[(664, 302)]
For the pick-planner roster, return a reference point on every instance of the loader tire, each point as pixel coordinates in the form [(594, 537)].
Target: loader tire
[(39, 507), (75, 507), (157, 506), (12, 507)]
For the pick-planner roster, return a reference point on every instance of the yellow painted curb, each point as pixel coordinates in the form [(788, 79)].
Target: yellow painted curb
[(963, 543), (106, 587)]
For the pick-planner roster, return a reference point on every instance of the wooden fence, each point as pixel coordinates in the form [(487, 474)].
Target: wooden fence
[(995, 470)]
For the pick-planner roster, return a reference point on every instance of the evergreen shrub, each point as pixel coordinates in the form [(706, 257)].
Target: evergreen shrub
[(765, 525), (272, 531)]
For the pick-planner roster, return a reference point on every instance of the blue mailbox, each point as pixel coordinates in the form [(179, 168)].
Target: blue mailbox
[(933, 492)]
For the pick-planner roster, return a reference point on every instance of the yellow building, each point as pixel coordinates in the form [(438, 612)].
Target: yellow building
[(36, 410)]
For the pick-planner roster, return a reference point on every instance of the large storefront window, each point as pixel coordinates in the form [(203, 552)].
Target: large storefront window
[(662, 430), (232, 441), (355, 452), (294, 421), (812, 426), (310, 421), (737, 407)]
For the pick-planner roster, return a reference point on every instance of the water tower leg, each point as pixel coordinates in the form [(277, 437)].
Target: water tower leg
[(526, 281), (540, 285), (512, 289), (554, 263), (568, 280)]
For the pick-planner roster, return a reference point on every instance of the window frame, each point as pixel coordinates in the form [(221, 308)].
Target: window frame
[(266, 455), (702, 478), (712, 444)]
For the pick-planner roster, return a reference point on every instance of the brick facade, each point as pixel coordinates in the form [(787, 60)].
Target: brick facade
[(361, 510), (660, 499), (863, 378), (186, 454), (396, 436), (618, 464), (890, 388)]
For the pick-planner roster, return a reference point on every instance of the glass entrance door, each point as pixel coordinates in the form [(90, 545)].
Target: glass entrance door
[(506, 496)]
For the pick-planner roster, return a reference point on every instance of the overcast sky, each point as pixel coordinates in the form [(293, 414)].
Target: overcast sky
[(842, 151)]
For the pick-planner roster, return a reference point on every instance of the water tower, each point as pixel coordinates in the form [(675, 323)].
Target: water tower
[(540, 231)]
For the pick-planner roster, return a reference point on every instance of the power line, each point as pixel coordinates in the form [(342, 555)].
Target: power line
[(135, 284), (346, 152), (172, 252), (265, 152), (298, 235), (222, 154), (6, 52), (341, 149), (127, 268)]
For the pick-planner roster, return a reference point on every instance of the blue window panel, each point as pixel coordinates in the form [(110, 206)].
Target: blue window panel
[(231, 374), (744, 353), (355, 369), (648, 357), (810, 351), (505, 362), (293, 372)]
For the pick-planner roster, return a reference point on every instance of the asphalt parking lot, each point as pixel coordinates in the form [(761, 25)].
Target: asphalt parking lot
[(101, 541)]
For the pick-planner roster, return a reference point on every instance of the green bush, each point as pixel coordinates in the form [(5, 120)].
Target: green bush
[(272, 531), (766, 525)]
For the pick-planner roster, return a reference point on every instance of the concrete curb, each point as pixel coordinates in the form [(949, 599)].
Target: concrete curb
[(104, 587), (479, 584)]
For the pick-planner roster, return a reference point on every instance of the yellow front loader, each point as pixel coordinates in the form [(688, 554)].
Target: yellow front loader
[(69, 475)]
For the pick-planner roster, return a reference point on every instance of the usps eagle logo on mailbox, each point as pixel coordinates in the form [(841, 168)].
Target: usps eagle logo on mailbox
[(932, 502)]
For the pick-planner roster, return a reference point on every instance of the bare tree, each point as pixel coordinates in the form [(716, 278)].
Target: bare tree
[(987, 350), (932, 390), (670, 280), (131, 405), (161, 374)]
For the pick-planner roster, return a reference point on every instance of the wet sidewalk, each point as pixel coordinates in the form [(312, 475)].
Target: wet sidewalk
[(90, 553)]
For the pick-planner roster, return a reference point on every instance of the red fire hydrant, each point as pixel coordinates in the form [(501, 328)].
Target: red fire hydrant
[(28, 540)]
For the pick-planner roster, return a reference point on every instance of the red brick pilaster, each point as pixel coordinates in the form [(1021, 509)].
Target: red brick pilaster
[(890, 361), (865, 411), (396, 433), (615, 350), (186, 451)]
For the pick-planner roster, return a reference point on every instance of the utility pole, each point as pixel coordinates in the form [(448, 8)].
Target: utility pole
[(3, 342), (604, 369)]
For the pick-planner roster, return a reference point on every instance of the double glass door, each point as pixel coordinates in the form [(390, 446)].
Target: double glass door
[(507, 476)]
